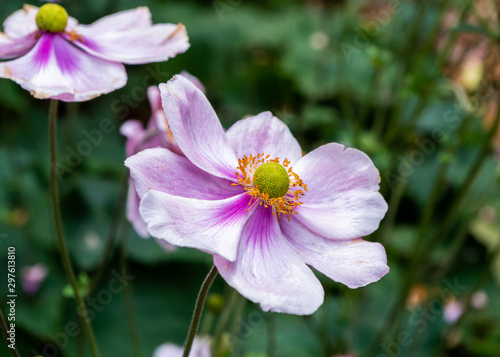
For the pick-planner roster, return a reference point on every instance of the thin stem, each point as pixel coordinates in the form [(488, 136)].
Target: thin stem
[(236, 324), (80, 341), (271, 335), (128, 296), (117, 215), (3, 325), (115, 221), (63, 249), (223, 321), (198, 310)]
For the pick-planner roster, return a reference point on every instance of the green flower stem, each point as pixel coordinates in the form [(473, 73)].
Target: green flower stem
[(63, 249), (238, 315), (115, 222), (80, 340), (223, 321), (198, 310), (128, 296), (3, 326), (271, 334), (354, 314)]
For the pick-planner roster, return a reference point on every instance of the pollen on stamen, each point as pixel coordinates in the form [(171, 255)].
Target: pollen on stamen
[(285, 203)]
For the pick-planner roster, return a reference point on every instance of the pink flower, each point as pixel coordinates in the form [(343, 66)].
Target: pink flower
[(55, 57), (201, 348), (453, 309), (157, 134), (248, 197), (32, 277)]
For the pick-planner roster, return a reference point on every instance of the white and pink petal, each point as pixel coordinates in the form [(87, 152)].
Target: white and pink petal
[(138, 18), (162, 170), (130, 37), (264, 133), (354, 263), (194, 80), (56, 69), (212, 226), (342, 201), (196, 128), (154, 98), (134, 131), (21, 23), (159, 122), (15, 47), (269, 271), (133, 215)]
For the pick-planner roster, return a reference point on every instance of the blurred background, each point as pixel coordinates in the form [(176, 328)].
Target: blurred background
[(414, 84)]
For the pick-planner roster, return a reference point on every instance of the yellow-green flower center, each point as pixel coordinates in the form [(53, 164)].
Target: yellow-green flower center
[(52, 18), (270, 183), (272, 179)]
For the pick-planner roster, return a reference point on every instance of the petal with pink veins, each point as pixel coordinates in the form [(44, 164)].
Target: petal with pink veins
[(162, 170), (342, 201), (354, 263), (196, 128), (264, 133), (211, 226), (56, 69), (138, 139), (269, 271), (15, 47), (129, 37)]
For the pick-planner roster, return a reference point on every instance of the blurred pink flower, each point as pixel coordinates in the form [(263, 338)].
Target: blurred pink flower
[(201, 348), (453, 309), (263, 221), (479, 300), (64, 60), (156, 134), (32, 277)]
